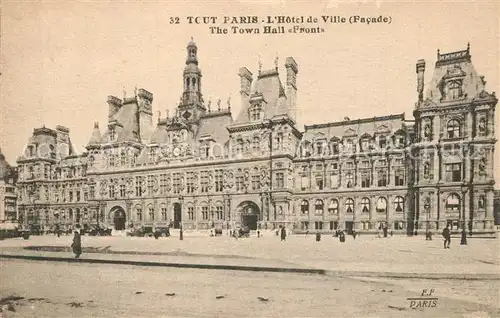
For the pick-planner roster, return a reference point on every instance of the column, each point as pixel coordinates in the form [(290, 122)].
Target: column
[(488, 215), (373, 221)]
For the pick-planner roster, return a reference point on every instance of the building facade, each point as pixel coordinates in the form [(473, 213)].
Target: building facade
[(201, 168), (8, 191)]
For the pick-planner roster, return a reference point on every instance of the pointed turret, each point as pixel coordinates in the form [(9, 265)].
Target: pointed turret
[(95, 140)]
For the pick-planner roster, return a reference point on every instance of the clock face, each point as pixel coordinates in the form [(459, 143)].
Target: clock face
[(177, 151)]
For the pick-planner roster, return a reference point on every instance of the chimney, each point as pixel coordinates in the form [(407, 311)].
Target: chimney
[(291, 85), (420, 80), (246, 82), (114, 105)]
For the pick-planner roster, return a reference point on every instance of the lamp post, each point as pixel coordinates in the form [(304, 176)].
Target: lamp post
[(427, 207), (463, 240), (181, 236)]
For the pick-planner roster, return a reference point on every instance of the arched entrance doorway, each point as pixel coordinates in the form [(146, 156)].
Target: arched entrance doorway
[(177, 215), (249, 212), (119, 218)]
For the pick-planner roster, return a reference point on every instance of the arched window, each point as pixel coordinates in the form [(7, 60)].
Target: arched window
[(349, 205), (382, 205), (318, 206), (453, 202), (333, 207), (365, 205), (304, 207), (453, 128), (399, 204)]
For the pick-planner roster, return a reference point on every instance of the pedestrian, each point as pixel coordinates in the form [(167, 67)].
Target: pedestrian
[(341, 237), (318, 236), (354, 234), (77, 244), (447, 237), (283, 234)]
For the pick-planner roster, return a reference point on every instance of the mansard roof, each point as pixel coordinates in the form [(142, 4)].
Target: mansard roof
[(215, 125), (451, 67), (357, 127), (269, 85), (126, 118)]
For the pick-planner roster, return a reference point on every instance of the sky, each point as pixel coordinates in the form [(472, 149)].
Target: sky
[(61, 59)]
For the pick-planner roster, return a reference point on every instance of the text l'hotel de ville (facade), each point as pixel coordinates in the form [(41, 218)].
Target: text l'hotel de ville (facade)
[(201, 168)]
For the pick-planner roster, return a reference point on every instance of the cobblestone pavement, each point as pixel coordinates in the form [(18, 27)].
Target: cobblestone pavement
[(84, 290), (399, 254)]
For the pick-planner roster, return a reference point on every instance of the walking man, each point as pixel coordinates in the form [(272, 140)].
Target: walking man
[(77, 244), (283, 234), (447, 237)]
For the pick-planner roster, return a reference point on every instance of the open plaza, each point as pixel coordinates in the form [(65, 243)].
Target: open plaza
[(369, 276)]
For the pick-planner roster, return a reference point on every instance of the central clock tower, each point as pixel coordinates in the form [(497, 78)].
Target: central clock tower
[(191, 105)]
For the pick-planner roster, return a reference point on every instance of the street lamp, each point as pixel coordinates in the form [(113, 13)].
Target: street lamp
[(181, 236), (427, 207), (463, 240)]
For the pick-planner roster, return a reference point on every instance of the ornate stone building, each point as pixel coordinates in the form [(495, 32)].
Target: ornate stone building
[(454, 145), (8, 191), (201, 168)]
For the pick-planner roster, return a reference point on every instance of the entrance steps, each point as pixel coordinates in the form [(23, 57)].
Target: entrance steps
[(118, 233)]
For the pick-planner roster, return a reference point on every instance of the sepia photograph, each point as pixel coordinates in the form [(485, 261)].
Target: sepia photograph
[(246, 158)]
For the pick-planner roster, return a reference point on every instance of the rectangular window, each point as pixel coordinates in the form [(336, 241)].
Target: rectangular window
[(318, 225), (70, 196), (334, 180), (304, 184), (78, 196), (454, 172), (163, 214), (335, 166), (176, 184), (163, 183), (319, 183), (280, 180), (138, 186), (239, 183), (399, 178), (219, 185), (122, 190), (204, 182), (190, 213), (111, 192), (204, 212), (139, 214), (365, 180), (255, 182), (219, 213), (151, 184), (349, 165), (190, 183), (91, 193), (382, 179), (111, 160), (382, 142)]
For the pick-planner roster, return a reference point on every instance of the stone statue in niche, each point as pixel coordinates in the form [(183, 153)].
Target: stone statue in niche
[(481, 203), (482, 166), (427, 132), (426, 170), (482, 126)]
